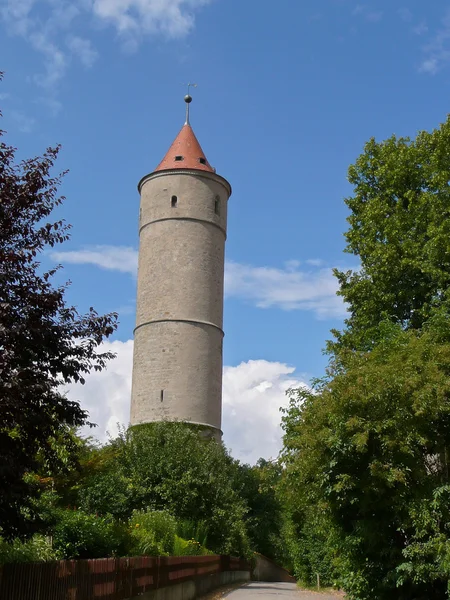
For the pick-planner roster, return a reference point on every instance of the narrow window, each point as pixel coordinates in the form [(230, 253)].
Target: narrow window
[(174, 201), (162, 395), (178, 158), (217, 205), (202, 161)]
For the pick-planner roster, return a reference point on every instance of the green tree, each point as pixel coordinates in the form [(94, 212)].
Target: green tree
[(366, 456), (44, 342), (399, 229), (169, 466), (258, 485), (366, 451)]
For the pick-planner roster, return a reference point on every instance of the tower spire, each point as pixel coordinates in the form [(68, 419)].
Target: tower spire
[(188, 100)]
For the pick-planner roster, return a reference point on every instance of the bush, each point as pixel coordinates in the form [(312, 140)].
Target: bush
[(80, 535), (190, 547), (152, 533), (38, 548), (190, 530)]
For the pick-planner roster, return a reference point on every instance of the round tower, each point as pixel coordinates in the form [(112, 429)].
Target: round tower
[(177, 363)]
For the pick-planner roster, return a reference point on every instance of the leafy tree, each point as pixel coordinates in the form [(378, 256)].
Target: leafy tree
[(399, 229), (44, 343), (258, 485), (366, 452), (366, 457), (169, 466)]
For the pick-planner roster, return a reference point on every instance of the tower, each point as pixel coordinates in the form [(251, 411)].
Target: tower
[(177, 363)]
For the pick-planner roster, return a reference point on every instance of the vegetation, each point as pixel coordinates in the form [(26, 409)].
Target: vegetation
[(157, 489), (361, 493), (366, 451), (43, 342)]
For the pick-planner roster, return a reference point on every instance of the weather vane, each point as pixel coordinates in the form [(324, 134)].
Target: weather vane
[(188, 100)]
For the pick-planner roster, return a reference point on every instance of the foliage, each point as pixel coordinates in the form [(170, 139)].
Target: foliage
[(190, 530), (365, 454), (78, 534), (43, 342), (36, 549), (399, 229), (152, 533), (189, 547), (257, 485), (169, 466)]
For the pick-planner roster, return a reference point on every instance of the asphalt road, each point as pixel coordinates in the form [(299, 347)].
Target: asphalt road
[(283, 591)]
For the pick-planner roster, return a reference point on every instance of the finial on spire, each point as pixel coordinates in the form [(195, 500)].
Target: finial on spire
[(188, 100)]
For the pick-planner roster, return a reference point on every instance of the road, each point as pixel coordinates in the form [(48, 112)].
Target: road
[(284, 591)]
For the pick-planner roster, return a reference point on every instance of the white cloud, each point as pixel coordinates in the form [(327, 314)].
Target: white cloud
[(420, 29), (83, 50), (291, 288), (44, 25), (253, 393), (362, 10), (25, 124), (106, 394), (405, 14), (174, 18), (437, 52), (288, 289), (113, 258)]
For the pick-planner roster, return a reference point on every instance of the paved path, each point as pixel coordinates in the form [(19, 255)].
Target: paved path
[(283, 591)]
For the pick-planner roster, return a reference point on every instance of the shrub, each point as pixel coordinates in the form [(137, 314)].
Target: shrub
[(152, 533), (188, 548), (38, 548), (80, 535), (190, 530)]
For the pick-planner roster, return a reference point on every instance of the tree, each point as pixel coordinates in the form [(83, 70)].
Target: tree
[(399, 229), (168, 466), (366, 451), (366, 456), (44, 343)]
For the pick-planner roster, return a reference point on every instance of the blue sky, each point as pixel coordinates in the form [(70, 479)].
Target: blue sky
[(287, 95)]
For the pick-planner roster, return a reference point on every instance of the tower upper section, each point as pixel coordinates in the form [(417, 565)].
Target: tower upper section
[(185, 153)]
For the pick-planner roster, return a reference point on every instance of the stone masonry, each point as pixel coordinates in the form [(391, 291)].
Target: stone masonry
[(177, 366)]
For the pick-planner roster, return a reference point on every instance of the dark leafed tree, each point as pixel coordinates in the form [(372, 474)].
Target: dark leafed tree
[(44, 343)]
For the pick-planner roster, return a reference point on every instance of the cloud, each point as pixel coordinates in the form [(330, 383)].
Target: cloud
[(173, 18), (106, 394), (437, 52), (83, 50), (405, 14), (24, 123), (113, 258), (288, 289), (49, 25), (253, 393), (362, 10), (291, 288), (420, 29)]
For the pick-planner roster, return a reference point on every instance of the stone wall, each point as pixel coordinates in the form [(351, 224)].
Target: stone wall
[(177, 366)]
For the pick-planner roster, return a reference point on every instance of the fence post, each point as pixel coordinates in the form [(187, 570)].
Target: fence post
[(224, 562)]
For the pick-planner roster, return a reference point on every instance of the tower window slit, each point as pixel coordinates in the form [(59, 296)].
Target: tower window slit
[(217, 205), (162, 396), (174, 201)]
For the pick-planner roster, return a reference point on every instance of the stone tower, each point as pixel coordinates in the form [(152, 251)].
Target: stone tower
[(177, 363)]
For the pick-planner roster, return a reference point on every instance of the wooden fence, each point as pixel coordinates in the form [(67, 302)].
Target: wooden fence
[(107, 578)]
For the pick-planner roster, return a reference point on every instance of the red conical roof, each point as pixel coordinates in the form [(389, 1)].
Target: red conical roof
[(185, 153)]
